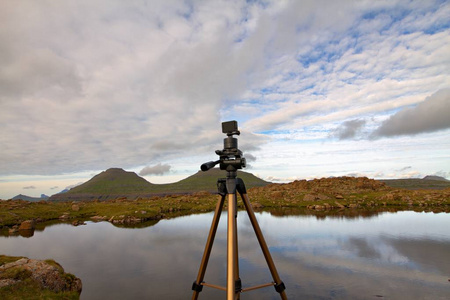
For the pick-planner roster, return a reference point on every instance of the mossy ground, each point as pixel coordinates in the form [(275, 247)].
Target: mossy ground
[(13, 212), (26, 288)]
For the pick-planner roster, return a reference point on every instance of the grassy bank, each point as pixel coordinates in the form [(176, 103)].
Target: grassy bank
[(317, 196), (18, 281)]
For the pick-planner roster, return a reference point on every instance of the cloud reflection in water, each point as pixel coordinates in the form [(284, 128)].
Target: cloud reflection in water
[(397, 255)]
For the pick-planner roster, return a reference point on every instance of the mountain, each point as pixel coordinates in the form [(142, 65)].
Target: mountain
[(207, 181), (434, 177), (115, 182), (31, 199)]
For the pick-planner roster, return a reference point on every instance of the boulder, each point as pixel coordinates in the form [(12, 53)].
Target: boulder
[(78, 223), (99, 218), (48, 274), (309, 197), (65, 216), (339, 204), (322, 197), (27, 225)]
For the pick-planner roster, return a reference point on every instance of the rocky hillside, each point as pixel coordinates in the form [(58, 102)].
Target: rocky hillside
[(346, 192)]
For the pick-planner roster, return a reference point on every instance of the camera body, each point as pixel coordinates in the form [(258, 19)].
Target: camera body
[(231, 158), (230, 128)]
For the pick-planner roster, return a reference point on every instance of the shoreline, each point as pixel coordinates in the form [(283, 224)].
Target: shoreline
[(19, 216)]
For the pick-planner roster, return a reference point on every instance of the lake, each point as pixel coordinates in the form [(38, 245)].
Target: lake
[(402, 255)]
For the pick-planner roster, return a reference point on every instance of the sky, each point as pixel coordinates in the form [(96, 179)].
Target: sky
[(319, 89)]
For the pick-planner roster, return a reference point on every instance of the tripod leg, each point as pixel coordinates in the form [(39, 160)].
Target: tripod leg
[(237, 278), (232, 294), (197, 286), (279, 285)]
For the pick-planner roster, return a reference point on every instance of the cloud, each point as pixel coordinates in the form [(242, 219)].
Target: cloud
[(348, 129), (86, 85), (30, 187), (158, 169), (428, 116), (442, 173), (249, 157), (404, 169)]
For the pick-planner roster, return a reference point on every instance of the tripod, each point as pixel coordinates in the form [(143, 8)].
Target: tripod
[(227, 189)]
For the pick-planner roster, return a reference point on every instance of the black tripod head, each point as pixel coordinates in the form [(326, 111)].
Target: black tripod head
[(231, 158)]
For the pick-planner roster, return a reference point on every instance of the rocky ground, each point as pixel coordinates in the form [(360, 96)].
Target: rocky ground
[(349, 192), (21, 277)]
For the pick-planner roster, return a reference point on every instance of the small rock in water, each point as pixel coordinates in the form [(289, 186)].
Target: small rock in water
[(27, 225)]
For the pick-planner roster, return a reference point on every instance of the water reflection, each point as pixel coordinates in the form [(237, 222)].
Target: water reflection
[(404, 255)]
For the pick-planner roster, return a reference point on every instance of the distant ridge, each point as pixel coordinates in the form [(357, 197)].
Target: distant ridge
[(31, 199), (116, 182), (434, 177), (430, 182)]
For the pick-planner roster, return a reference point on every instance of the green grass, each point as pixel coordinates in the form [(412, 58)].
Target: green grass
[(29, 289), (7, 259), (14, 212)]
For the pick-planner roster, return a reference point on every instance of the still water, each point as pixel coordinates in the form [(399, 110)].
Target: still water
[(403, 255)]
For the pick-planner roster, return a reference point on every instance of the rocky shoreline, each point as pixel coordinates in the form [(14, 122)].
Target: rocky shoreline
[(37, 276), (341, 193)]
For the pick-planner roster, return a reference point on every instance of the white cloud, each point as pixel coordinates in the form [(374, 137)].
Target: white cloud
[(158, 169), (87, 85)]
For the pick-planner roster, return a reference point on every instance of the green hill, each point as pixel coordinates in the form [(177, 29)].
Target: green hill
[(418, 184), (207, 181), (115, 182)]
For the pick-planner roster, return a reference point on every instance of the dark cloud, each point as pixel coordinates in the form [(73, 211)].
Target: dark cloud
[(442, 174), (433, 114), (348, 129), (158, 169), (404, 169), (249, 157)]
